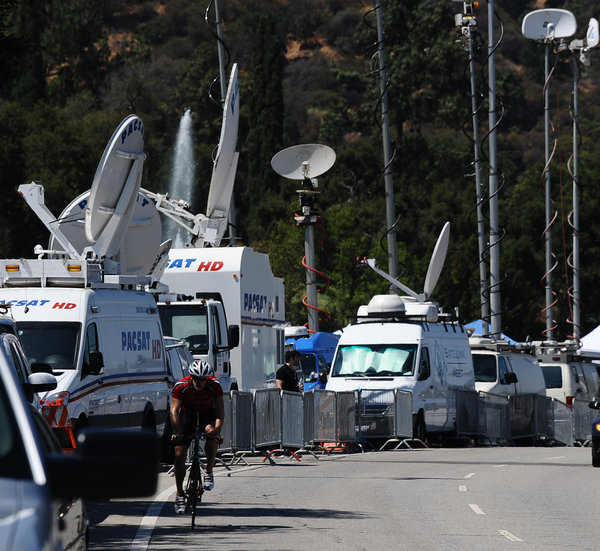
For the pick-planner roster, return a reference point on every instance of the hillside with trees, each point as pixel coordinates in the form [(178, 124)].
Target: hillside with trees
[(73, 69)]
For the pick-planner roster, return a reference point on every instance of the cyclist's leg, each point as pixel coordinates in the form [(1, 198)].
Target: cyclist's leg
[(179, 466)]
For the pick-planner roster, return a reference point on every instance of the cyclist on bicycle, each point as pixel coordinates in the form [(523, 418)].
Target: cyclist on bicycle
[(198, 392)]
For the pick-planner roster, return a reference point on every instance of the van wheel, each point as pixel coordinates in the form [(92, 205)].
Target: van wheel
[(419, 427)]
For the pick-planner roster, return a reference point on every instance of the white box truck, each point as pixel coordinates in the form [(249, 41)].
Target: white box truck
[(240, 279)]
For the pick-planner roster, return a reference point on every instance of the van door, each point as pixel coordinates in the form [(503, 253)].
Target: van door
[(507, 376), (425, 393), (92, 375)]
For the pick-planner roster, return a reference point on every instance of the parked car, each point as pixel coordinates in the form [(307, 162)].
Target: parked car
[(41, 486), (595, 404), (179, 358)]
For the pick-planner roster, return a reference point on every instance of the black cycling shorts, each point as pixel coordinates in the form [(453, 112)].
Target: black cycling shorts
[(188, 422)]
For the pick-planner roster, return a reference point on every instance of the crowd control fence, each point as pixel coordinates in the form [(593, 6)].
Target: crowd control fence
[(271, 419)]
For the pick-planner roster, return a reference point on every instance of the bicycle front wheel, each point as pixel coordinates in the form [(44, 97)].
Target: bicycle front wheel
[(194, 490)]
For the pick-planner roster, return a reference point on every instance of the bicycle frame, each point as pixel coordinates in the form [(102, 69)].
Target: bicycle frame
[(195, 487)]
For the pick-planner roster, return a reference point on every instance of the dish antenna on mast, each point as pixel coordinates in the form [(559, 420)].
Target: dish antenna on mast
[(434, 270), (548, 25), (304, 163)]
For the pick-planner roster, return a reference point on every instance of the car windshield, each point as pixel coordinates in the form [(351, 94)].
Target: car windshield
[(13, 460), (552, 376), (186, 322), (485, 368), (375, 360), (52, 343)]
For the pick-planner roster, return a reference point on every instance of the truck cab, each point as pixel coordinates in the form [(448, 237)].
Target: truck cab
[(202, 325)]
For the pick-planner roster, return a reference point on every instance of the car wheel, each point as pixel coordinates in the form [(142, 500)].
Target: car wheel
[(595, 456)]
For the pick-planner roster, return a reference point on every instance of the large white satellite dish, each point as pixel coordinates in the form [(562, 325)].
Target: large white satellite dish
[(549, 24), (225, 165), (303, 161), (115, 188), (139, 245), (437, 261)]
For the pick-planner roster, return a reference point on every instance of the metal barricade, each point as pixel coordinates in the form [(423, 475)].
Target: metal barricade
[(467, 413), (493, 416), (560, 421), (583, 417), (329, 417), (345, 415), (267, 418), (375, 413), (292, 420), (527, 416)]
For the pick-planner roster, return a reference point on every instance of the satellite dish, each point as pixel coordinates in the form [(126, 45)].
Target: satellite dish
[(115, 188), (225, 165), (592, 35), (138, 248), (437, 261), (303, 161), (549, 24)]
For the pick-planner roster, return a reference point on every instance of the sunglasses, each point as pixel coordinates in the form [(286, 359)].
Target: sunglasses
[(199, 379)]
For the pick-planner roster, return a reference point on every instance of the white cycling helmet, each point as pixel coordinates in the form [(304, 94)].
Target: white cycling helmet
[(200, 368)]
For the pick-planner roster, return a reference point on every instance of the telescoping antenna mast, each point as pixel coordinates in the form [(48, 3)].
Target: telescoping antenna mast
[(548, 26)]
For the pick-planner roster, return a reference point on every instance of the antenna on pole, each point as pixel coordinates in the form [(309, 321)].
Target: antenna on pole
[(304, 163), (466, 22), (583, 46), (547, 26)]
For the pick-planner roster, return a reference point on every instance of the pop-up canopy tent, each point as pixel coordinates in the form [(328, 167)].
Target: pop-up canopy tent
[(477, 325)]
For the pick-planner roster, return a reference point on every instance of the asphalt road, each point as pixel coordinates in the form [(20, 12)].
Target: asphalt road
[(429, 499)]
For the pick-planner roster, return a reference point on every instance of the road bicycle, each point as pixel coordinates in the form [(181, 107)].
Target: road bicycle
[(195, 482)]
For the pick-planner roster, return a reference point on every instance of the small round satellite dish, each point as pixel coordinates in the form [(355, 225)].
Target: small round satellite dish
[(592, 35), (140, 242), (111, 175), (549, 24), (437, 261), (303, 161)]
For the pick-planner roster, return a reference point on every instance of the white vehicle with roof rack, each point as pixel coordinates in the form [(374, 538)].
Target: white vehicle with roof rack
[(407, 343)]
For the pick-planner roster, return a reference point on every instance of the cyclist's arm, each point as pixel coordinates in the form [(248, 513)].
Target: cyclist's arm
[(175, 405), (219, 417)]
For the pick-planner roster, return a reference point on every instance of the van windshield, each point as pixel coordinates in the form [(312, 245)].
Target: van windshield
[(52, 343), (375, 360), (188, 322), (552, 375), (485, 368)]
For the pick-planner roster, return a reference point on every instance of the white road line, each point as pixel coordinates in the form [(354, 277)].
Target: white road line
[(496, 466), (470, 475), (462, 488), (146, 527), (508, 535), (552, 458), (476, 509)]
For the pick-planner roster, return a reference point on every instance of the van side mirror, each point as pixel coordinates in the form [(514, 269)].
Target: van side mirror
[(510, 377), (425, 371), (323, 375), (594, 404), (96, 364), (233, 335)]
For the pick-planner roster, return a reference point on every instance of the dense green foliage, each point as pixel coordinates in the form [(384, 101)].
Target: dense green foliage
[(72, 69)]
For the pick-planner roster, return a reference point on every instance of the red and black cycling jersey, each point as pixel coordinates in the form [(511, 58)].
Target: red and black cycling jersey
[(193, 400)]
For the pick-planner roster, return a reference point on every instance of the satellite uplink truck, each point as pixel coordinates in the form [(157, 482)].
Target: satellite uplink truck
[(223, 301), (81, 308), (406, 343)]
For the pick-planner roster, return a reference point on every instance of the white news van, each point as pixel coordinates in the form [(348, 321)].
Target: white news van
[(500, 369), (569, 373), (241, 279), (104, 345), (399, 343)]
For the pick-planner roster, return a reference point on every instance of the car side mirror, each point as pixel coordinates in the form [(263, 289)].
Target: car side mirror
[(106, 464)]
